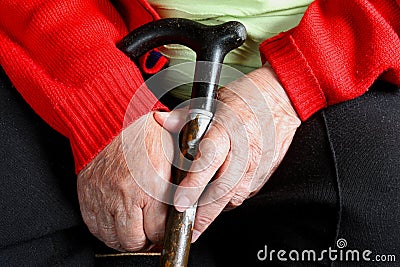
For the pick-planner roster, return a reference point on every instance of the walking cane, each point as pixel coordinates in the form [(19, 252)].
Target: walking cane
[(211, 44)]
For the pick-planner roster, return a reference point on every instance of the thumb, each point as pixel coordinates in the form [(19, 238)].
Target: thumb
[(171, 121)]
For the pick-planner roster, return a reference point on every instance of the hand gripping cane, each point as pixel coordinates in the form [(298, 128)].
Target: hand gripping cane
[(211, 44)]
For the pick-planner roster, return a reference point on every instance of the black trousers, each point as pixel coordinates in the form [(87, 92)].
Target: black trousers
[(339, 180)]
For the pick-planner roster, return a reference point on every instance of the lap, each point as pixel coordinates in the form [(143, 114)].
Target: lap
[(40, 215)]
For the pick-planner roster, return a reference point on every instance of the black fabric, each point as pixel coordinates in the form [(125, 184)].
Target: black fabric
[(66, 248), (40, 223), (365, 141), (339, 179)]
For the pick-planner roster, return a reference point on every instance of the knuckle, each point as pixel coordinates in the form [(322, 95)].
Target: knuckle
[(217, 159), (207, 154), (132, 238), (237, 200), (194, 186), (107, 229), (221, 189), (203, 221)]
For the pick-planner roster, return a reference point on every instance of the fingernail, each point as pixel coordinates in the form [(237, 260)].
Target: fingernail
[(182, 203), (162, 114), (195, 235), (161, 118)]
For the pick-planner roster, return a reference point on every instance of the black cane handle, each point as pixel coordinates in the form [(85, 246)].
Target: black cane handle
[(211, 44)]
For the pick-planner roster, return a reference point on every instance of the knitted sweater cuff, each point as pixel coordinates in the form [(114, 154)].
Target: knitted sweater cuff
[(294, 73), (101, 110)]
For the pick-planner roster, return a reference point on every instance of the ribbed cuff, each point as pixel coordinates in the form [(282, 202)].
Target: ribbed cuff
[(294, 73), (96, 114)]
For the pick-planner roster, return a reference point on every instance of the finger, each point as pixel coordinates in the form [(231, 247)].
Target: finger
[(213, 151), (241, 192), (221, 191), (243, 188), (206, 214), (154, 216), (129, 227), (106, 230), (230, 176), (212, 203), (89, 217), (172, 121)]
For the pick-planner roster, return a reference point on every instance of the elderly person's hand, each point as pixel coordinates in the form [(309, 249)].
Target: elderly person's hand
[(252, 130), (123, 192), (115, 188)]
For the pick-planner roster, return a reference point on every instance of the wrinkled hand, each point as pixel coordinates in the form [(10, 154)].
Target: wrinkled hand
[(251, 132), (114, 189), (123, 191)]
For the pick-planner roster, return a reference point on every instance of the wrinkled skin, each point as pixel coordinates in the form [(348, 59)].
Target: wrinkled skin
[(114, 207), (253, 128), (255, 124)]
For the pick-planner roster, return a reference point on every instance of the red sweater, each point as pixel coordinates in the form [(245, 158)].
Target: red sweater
[(61, 57)]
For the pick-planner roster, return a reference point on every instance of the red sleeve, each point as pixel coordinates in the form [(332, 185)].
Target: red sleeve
[(61, 56), (336, 52)]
